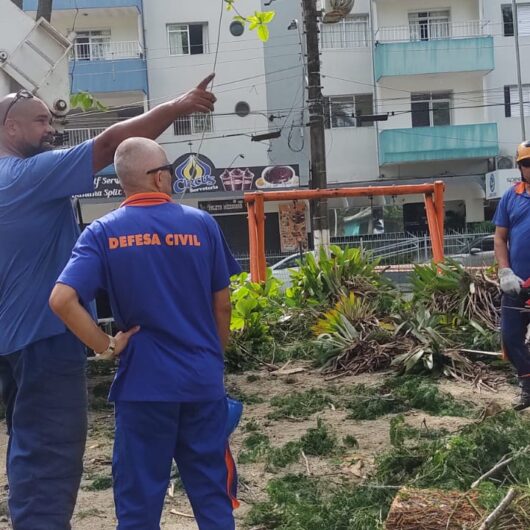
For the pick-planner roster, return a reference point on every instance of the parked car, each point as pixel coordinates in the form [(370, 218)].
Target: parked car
[(478, 253), (281, 269)]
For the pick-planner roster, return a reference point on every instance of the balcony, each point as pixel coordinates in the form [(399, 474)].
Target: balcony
[(31, 5), (77, 136), (427, 144), (433, 48), (113, 66)]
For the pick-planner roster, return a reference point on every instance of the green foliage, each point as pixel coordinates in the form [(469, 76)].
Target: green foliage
[(298, 502), (325, 280), (257, 21), (454, 462), (102, 482), (400, 394), (350, 442), (319, 440), (85, 101), (255, 447), (299, 405), (101, 390)]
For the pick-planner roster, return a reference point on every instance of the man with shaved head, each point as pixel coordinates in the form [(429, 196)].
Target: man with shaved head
[(42, 365), (166, 268)]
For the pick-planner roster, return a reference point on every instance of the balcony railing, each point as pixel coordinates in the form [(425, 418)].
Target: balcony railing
[(419, 31), (78, 136), (107, 50)]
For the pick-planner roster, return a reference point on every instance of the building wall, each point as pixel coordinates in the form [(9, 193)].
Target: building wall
[(239, 58)]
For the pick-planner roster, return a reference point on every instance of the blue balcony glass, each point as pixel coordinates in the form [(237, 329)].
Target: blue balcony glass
[(474, 54), (120, 75), (449, 142), (31, 5)]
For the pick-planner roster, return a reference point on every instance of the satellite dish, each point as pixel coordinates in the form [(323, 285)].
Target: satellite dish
[(338, 9)]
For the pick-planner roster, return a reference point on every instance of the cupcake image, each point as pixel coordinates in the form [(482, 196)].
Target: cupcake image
[(237, 179)]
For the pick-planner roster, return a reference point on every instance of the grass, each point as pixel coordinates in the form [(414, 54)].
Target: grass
[(299, 405), (102, 482), (298, 502), (400, 394)]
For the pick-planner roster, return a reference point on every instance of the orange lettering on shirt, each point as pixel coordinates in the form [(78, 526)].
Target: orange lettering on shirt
[(138, 240), (196, 242), (183, 239), (155, 240), (147, 239), (169, 240), (113, 243), (130, 240), (123, 241)]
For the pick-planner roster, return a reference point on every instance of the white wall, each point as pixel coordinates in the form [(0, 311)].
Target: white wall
[(238, 58), (505, 73), (123, 24), (395, 13)]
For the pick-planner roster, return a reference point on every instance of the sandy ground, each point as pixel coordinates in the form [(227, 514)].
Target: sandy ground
[(95, 509)]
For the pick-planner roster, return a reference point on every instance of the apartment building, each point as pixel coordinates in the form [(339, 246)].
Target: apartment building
[(437, 81)]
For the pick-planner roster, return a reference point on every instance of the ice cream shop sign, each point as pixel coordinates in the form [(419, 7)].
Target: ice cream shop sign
[(196, 173)]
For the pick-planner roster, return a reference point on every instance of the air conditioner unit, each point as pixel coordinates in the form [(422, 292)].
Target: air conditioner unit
[(504, 162), (336, 10)]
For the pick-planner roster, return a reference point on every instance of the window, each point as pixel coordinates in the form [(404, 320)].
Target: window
[(431, 109), (194, 124), (92, 45), (511, 101), (429, 25), (523, 18), (342, 111), (186, 39), (351, 32)]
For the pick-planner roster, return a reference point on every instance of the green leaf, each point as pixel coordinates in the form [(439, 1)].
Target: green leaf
[(266, 16)]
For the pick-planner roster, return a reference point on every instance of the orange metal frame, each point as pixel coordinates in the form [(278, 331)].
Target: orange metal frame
[(434, 205)]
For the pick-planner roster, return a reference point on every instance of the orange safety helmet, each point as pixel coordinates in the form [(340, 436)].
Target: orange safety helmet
[(523, 151)]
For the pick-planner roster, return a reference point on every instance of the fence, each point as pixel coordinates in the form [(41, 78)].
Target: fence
[(430, 30), (401, 248), (107, 50), (78, 136)]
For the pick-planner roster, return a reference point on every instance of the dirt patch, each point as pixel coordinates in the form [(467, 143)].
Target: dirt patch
[(95, 508)]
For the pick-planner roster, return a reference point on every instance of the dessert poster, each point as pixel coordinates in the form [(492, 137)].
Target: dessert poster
[(194, 173), (197, 173), (293, 232)]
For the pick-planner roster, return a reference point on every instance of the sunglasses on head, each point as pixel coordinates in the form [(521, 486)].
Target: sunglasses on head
[(525, 162), (21, 94), (166, 167)]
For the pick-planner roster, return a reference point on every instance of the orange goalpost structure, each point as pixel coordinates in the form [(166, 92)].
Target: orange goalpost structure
[(255, 201)]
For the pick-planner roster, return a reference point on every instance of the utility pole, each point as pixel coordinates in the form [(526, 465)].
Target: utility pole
[(515, 18), (318, 176), (45, 10)]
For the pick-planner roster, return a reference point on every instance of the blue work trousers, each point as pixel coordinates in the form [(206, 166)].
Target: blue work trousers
[(44, 390), (149, 435), (514, 325)]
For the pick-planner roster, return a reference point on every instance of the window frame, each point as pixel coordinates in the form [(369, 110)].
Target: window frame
[(511, 101), (428, 21), (171, 28), (328, 41), (329, 115), (433, 97)]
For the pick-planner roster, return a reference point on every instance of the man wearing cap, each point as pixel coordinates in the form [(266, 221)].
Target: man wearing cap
[(512, 251), (166, 268), (42, 365)]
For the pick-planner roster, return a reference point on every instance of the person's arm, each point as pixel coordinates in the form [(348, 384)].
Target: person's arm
[(64, 302), (222, 311), (501, 247), (151, 124)]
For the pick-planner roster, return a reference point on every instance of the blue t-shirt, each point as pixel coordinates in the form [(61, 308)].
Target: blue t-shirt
[(159, 264), (37, 233), (513, 213)]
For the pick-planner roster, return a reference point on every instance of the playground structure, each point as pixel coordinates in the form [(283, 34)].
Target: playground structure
[(434, 205)]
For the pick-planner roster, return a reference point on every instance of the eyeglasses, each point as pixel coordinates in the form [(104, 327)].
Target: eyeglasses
[(21, 94), (167, 167), (525, 162)]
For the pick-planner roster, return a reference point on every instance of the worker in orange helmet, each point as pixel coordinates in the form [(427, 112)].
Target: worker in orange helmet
[(512, 251)]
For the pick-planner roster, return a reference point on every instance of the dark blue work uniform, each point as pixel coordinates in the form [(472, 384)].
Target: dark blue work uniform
[(161, 264), (42, 366)]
